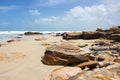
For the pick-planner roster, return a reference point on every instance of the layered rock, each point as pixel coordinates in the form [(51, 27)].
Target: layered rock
[(112, 33), (74, 73), (72, 35), (98, 74), (115, 37), (63, 73), (63, 55), (91, 35), (102, 62), (89, 64)]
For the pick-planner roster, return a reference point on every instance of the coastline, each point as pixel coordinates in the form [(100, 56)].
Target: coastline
[(22, 59)]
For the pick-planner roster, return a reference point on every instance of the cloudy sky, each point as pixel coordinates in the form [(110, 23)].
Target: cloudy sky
[(58, 14)]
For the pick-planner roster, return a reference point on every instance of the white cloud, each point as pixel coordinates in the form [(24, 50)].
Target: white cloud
[(7, 8), (76, 16), (106, 14), (34, 12)]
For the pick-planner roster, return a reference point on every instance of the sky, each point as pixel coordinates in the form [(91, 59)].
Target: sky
[(60, 15)]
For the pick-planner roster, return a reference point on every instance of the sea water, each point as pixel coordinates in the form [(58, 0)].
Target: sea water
[(10, 35), (15, 35)]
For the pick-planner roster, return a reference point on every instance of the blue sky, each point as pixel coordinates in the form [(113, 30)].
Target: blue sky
[(58, 14)]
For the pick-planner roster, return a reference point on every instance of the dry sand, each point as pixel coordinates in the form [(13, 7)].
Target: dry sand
[(21, 60)]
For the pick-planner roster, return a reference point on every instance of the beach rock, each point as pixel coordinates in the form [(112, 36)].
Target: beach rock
[(32, 33), (97, 74), (63, 73), (118, 26), (72, 35), (99, 33), (74, 73), (91, 35), (99, 29), (90, 64), (64, 55), (104, 35), (115, 37), (58, 34), (114, 30), (10, 41)]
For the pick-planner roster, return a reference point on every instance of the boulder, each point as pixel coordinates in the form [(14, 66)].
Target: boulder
[(91, 35), (64, 55), (72, 35)]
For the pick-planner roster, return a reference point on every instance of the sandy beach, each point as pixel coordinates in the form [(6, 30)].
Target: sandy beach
[(39, 56), (60, 40), (21, 60)]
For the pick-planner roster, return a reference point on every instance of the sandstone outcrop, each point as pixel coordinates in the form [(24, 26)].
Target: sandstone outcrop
[(63, 55), (102, 62), (112, 33), (72, 35), (63, 73), (73, 73), (91, 35), (115, 37)]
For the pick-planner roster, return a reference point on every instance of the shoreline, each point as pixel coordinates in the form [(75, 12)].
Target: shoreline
[(21, 59)]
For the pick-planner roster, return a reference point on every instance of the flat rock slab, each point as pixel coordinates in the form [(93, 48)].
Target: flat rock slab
[(63, 55), (74, 73), (63, 73)]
